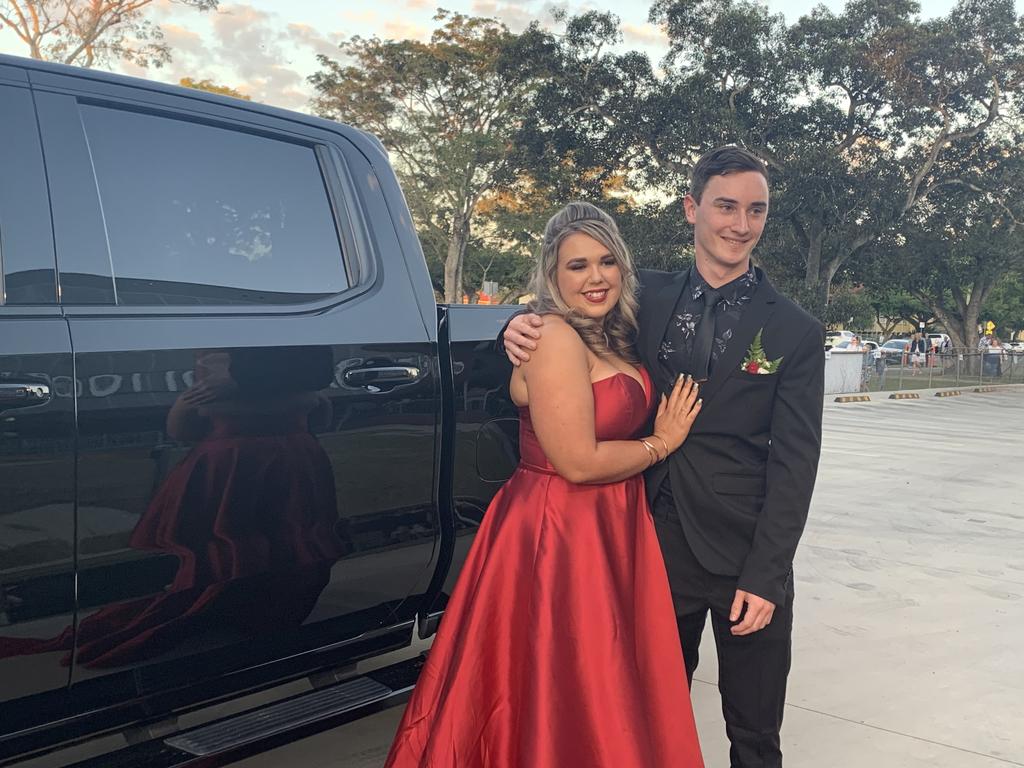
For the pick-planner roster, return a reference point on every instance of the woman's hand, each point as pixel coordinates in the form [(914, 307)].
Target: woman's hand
[(676, 413), (521, 336)]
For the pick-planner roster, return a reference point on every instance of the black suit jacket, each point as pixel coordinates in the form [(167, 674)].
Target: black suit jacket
[(743, 479)]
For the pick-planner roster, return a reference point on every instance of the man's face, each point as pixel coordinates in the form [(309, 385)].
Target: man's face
[(729, 219)]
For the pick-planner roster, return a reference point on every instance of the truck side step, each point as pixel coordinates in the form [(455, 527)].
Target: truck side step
[(270, 726), (278, 718)]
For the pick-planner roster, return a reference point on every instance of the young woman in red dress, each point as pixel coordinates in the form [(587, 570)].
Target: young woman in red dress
[(559, 644)]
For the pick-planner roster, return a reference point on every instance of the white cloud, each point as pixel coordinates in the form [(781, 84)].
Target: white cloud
[(360, 17), (303, 35), (183, 40), (400, 30), (644, 34), (519, 14), (246, 48)]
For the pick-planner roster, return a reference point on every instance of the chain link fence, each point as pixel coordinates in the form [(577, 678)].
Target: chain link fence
[(939, 370)]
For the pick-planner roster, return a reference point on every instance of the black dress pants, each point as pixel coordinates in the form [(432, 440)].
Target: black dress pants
[(752, 668)]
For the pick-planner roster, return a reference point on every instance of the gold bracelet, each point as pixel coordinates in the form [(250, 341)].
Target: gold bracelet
[(659, 437), (650, 450)]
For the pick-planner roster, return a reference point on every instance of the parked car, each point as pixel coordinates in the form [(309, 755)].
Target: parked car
[(893, 350), (834, 337), (863, 346), (242, 445)]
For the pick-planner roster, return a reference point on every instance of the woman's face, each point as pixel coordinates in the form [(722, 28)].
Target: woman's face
[(589, 278)]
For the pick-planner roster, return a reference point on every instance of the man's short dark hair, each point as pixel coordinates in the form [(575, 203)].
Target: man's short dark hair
[(721, 161)]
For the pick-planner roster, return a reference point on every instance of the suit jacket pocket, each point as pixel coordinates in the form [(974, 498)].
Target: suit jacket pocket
[(747, 376), (735, 484)]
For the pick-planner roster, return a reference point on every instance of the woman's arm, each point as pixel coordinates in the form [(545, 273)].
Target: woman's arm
[(561, 402)]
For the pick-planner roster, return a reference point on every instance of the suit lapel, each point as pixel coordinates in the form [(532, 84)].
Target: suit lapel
[(755, 315), (661, 310)]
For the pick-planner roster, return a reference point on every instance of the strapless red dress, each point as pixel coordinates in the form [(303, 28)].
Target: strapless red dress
[(559, 647)]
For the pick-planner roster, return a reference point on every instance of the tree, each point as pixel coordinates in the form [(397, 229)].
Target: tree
[(1005, 306), (858, 115), (956, 250), (447, 110), (211, 87), (884, 99), (891, 305), (89, 32)]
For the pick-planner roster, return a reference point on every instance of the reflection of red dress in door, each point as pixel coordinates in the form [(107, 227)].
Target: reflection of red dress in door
[(559, 645), (250, 513)]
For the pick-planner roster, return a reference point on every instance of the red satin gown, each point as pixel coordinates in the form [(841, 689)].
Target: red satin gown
[(559, 647)]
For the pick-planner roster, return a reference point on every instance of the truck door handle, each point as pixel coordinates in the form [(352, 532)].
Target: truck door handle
[(22, 394), (391, 374)]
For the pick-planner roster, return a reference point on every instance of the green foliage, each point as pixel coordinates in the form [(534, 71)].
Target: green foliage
[(861, 115), (893, 142), (87, 32), (756, 357), (1005, 305), (211, 87), (447, 110)]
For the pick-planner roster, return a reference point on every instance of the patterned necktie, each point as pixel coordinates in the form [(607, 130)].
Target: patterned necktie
[(704, 339)]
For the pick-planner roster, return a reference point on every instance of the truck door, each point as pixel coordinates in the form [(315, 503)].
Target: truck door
[(36, 433), (258, 400)]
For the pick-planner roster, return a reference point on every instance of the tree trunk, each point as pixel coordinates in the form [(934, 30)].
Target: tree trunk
[(819, 272), (458, 237), (812, 272), (962, 329)]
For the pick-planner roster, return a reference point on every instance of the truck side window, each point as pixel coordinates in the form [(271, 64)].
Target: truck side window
[(197, 214), (27, 268)]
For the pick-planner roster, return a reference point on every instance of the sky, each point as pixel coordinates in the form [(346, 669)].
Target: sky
[(267, 48)]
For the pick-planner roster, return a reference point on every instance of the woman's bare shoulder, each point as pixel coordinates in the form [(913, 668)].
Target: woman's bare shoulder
[(557, 338)]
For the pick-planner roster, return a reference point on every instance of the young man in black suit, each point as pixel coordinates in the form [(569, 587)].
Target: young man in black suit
[(731, 504)]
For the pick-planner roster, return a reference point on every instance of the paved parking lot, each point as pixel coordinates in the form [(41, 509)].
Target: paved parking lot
[(910, 600)]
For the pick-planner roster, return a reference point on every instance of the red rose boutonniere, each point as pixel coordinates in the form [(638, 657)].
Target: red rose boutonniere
[(756, 361)]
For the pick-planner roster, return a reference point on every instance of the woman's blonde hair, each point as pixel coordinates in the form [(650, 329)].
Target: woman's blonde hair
[(616, 333)]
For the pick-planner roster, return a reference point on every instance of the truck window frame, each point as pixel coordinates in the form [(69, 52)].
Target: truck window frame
[(360, 260)]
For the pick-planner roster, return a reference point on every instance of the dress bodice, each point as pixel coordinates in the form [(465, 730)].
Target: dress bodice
[(621, 408)]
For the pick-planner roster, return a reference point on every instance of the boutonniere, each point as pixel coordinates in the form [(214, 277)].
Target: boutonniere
[(756, 361)]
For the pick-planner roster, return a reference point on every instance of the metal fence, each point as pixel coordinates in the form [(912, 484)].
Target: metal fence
[(938, 370)]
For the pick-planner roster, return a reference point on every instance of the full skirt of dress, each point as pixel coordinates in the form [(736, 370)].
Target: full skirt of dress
[(559, 647)]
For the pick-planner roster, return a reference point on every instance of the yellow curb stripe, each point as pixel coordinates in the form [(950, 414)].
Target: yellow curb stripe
[(984, 389), (904, 396), (853, 399), (948, 393)]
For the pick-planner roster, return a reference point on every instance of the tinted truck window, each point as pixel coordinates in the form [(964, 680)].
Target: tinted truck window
[(27, 273), (197, 214)]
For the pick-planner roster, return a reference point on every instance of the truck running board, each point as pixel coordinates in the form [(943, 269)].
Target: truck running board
[(270, 726)]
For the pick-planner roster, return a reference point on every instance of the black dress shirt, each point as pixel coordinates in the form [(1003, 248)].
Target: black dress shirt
[(675, 353)]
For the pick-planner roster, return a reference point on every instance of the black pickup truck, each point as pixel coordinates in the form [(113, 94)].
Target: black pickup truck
[(242, 449)]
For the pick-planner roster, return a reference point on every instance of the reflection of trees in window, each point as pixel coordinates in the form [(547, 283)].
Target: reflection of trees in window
[(249, 235)]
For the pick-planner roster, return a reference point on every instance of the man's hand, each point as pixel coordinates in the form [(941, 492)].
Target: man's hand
[(521, 335), (758, 616)]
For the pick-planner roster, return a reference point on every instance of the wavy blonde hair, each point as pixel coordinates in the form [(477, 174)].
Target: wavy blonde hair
[(616, 332)]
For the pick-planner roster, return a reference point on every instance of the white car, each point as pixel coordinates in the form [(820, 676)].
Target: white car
[(847, 345), (834, 337)]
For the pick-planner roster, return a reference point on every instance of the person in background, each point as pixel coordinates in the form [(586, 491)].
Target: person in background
[(918, 351)]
